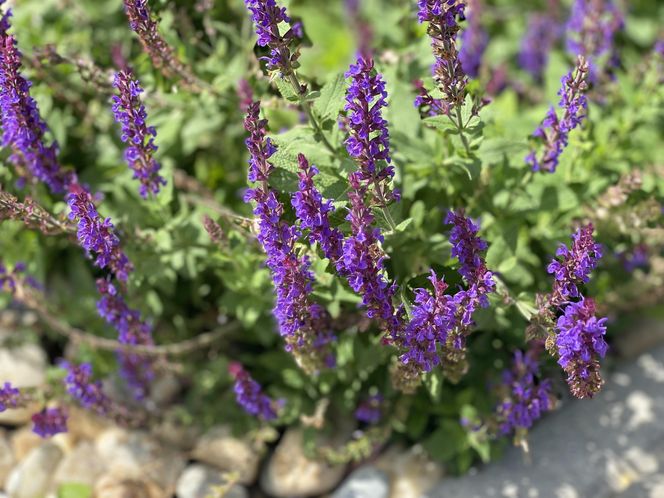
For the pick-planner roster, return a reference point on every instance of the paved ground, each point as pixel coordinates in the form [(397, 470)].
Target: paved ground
[(608, 447)]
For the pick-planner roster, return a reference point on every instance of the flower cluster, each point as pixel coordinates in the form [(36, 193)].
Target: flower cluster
[(305, 325), (313, 212), (591, 29), (370, 410), (368, 140), (162, 54), (426, 103), (474, 41), (637, 257), (524, 398), (575, 265), (96, 234), (554, 132), (82, 388), (10, 397), (267, 16), (250, 396), (49, 422), (130, 113), (23, 130), (137, 370), (441, 16), (579, 343), (542, 32)]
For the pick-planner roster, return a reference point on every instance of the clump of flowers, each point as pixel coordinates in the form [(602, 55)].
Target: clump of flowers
[(250, 396), (579, 344), (426, 103), (554, 132), (267, 17), (304, 324), (10, 397), (542, 33), (49, 422), (524, 398), (474, 41), (137, 370), (96, 234), (130, 112), (82, 388)]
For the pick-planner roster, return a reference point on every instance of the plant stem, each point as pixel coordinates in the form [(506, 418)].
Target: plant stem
[(459, 125)]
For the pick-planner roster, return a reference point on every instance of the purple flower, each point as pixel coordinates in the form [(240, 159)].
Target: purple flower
[(313, 212), (637, 257), (426, 103), (137, 370), (554, 132), (80, 385), (304, 324), (368, 141), (591, 29), (245, 94), (543, 31), (130, 113), (10, 397), (474, 41), (23, 130), (250, 396), (267, 16), (580, 342), (96, 234), (370, 409), (525, 398), (575, 265), (443, 27), (49, 422)]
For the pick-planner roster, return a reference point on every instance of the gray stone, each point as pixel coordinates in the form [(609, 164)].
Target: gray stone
[(198, 480), (118, 484), (220, 449), (82, 466), (366, 482), (612, 445), (22, 366), (411, 471), (32, 478), (6, 458), (290, 473), (136, 455)]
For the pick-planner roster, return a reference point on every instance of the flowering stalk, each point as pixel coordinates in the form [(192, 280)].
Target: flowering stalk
[(32, 215), (363, 30), (474, 41), (130, 113), (136, 369), (542, 33), (426, 103), (82, 388), (579, 344), (250, 396), (95, 234), (591, 29), (305, 325), (10, 397), (23, 130), (554, 132), (162, 54), (49, 422)]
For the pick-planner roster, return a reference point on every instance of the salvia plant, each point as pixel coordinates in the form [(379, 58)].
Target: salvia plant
[(389, 220)]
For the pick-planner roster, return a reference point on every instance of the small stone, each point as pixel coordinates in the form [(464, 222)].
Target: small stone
[(32, 478), (118, 485), (197, 481), (82, 466), (366, 482), (290, 473), (86, 425), (137, 456), (23, 441), (219, 448), (6, 458), (22, 366), (179, 436), (412, 472), (165, 389)]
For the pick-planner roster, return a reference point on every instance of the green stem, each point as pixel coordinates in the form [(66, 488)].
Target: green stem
[(459, 125)]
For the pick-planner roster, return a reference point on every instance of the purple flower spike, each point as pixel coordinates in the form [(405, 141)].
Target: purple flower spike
[(313, 212), (542, 33), (267, 16), (49, 422), (524, 398), (441, 15), (130, 113), (23, 129), (474, 41), (250, 396), (9, 397), (304, 324), (95, 234), (580, 343), (575, 265), (82, 388), (137, 370), (554, 132), (426, 103)]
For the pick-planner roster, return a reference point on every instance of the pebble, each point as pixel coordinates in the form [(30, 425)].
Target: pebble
[(118, 485), (197, 481), (22, 366), (82, 466), (366, 482), (32, 478), (412, 473), (6, 458)]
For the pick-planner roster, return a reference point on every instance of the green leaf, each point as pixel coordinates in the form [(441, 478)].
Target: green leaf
[(442, 123), (433, 381), (74, 490), (286, 90), (331, 100)]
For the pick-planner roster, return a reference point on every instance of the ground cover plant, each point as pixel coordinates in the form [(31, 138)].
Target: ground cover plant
[(416, 221)]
